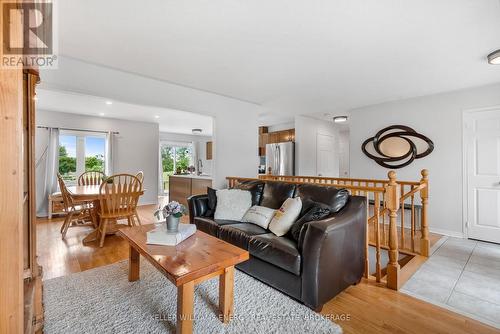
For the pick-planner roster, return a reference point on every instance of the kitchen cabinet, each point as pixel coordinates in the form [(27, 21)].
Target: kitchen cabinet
[(183, 186), (209, 155), (273, 138), (199, 186), (263, 141)]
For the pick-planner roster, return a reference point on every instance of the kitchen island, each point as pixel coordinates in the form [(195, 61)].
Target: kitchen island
[(183, 186)]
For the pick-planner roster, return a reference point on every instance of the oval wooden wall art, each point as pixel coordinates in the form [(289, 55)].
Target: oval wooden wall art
[(397, 146)]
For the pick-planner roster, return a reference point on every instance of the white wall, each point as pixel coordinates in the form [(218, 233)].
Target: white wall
[(235, 128), (199, 141), (439, 117), (306, 131), (281, 126), (343, 146), (135, 148)]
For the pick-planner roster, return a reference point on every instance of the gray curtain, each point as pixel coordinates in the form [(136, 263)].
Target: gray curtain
[(47, 168)]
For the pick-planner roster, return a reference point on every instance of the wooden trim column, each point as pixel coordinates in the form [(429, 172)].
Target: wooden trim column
[(392, 204), (11, 199), (425, 245)]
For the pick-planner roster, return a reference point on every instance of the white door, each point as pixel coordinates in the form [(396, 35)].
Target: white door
[(482, 152), (327, 162)]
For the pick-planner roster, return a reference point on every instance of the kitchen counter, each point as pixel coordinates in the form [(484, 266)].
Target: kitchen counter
[(183, 186), (193, 176)]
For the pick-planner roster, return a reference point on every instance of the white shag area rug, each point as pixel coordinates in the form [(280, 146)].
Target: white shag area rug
[(102, 300)]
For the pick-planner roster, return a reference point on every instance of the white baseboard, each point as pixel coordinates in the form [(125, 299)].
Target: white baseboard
[(448, 233)]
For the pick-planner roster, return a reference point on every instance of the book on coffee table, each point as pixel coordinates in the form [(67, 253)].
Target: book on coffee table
[(160, 235)]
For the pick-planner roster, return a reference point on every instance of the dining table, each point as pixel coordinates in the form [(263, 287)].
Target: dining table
[(90, 193)]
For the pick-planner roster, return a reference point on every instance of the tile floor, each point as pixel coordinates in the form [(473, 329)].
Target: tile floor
[(463, 276)]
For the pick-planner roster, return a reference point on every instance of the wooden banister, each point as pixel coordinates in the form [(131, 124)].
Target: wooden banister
[(392, 197), (424, 195), (386, 198)]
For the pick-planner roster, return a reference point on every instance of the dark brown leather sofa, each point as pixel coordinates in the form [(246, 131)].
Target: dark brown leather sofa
[(329, 254)]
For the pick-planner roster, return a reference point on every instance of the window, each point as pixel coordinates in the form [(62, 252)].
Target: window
[(176, 159), (80, 152)]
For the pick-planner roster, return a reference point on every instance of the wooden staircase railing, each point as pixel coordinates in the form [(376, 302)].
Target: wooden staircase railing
[(390, 200)]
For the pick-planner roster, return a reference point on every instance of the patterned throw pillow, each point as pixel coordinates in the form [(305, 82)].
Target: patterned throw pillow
[(286, 216), (259, 215), (232, 204), (317, 211), (212, 202)]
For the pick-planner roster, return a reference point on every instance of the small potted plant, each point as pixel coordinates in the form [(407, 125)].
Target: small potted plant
[(173, 211)]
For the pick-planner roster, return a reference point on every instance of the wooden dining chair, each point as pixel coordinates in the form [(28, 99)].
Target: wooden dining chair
[(76, 212), (118, 198), (91, 179), (140, 176)]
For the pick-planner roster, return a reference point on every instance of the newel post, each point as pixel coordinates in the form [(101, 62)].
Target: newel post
[(392, 196), (425, 244)]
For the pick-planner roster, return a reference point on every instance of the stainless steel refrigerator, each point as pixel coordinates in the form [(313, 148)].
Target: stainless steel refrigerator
[(280, 158)]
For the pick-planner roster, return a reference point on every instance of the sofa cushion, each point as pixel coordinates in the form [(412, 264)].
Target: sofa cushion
[(276, 193), (311, 194), (259, 215), (211, 226), (232, 204), (256, 188), (240, 234), (286, 216), (280, 251)]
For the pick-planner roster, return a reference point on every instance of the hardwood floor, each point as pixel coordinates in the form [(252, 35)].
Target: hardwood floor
[(365, 308), (62, 257)]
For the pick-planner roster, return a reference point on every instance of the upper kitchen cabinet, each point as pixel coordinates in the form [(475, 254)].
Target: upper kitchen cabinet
[(209, 150), (266, 137)]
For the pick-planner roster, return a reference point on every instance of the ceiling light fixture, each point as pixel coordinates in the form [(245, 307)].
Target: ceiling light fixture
[(156, 116), (494, 57), (109, 103), (339, 119), (101, 114), (196, 131)]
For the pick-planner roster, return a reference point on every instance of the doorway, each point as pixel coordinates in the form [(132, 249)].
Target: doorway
[(482, 174), (327, 159), (176, 158)]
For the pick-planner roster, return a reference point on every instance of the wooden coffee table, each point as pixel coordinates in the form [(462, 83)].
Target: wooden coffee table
[(195, 260)]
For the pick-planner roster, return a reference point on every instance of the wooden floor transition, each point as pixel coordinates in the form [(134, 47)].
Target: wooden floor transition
[(365, 308)]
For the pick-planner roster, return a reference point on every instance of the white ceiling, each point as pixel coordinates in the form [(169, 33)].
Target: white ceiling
[(293, 57), (169, 120)]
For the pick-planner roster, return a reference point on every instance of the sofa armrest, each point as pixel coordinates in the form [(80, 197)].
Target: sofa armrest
[(333, 253), (198, 206)]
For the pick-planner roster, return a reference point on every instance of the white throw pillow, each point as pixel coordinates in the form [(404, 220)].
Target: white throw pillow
[(285, 217), (232, 204), (259, 215)]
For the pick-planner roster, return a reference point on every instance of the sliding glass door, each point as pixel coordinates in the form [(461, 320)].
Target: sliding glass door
[(176, 159)]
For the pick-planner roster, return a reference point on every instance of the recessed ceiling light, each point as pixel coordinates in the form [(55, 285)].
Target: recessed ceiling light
[(494, 57), (101, 114), (196, 131), (340, 119), (156, 116), (109, 103)]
